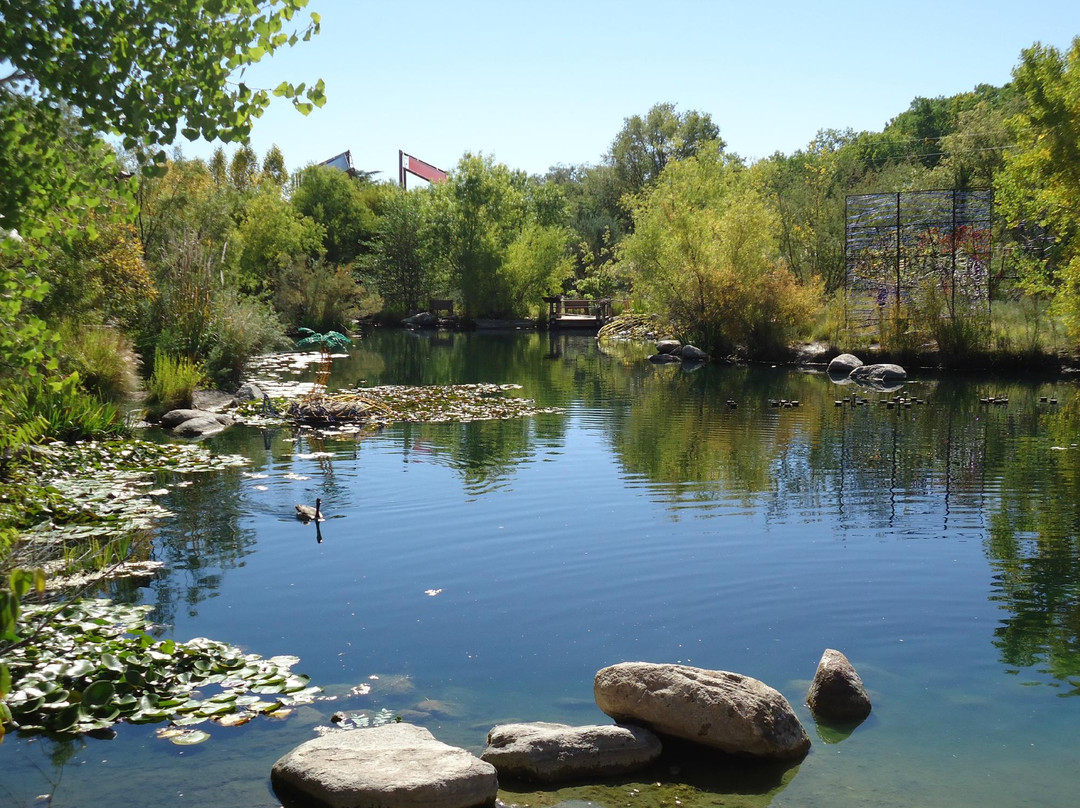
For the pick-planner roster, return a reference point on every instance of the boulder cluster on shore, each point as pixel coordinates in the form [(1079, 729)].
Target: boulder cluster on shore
[(398, 765)]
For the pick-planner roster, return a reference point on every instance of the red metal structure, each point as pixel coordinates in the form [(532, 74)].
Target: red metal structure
[(407, 164)]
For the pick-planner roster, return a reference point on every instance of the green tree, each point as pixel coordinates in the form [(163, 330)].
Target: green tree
[(344, 206), (396, 263), (645, 145), (273, 166), (475, 216), (1039, 188), (270, 237), (703, 252)]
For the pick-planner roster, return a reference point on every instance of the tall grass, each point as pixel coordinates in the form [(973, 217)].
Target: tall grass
[(104, 359), (172, 384)]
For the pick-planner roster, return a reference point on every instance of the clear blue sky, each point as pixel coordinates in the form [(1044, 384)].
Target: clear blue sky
[(540, 83)]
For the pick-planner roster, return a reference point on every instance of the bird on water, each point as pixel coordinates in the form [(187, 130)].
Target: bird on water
[(305, 513)]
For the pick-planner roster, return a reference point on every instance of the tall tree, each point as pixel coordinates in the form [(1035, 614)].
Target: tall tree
[(1039, 188), (645, 145)]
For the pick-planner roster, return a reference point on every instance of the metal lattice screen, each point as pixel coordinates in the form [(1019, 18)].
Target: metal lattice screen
[(901, 245)]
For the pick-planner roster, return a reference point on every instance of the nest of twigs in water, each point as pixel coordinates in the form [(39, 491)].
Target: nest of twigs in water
[(320, 410)]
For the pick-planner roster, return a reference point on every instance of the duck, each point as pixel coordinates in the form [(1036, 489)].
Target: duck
[(305, 513)]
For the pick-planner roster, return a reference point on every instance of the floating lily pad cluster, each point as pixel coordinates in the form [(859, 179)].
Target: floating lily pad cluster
[(94, 663), (99, 490), (379, 406)]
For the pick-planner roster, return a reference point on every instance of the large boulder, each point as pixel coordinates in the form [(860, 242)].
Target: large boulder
[(392, 766), (249, 391), (189, 423), (723, 710), (553, 753), (691, 353), (424, 319), (843, 364), (668, 346), (884, 373), (837, 692)]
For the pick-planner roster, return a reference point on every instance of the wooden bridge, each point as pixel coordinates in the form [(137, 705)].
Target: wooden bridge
[(567, 312)]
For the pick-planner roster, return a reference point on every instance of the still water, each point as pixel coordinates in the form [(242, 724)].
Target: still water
[(484, 572)]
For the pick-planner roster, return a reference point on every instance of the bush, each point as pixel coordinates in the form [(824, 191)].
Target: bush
[(241, 327), (62, 411), (104, 359), (321, 297), (172, 384)]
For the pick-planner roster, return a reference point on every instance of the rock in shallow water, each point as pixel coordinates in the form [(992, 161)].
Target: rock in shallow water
[(723, 710), (392, 766), (553, 753), (837, 692)]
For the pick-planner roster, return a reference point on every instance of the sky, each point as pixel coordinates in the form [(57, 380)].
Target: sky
[(536, 84)]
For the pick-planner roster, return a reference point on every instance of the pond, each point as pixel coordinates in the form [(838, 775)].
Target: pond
[(473, 574)]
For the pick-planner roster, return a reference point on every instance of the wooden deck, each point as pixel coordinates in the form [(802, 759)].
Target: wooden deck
[(566, 312)]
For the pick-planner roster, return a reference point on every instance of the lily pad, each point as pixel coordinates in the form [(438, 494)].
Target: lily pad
[(195, 736)]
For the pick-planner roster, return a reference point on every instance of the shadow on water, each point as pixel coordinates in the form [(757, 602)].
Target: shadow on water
[(685, 775)]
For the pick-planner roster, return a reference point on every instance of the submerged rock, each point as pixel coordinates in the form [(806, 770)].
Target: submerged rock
[(723, 710), (837, 692), (553, 753), (392, 766)]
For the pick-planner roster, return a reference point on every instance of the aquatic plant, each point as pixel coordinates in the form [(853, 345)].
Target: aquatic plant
[(84, 666)]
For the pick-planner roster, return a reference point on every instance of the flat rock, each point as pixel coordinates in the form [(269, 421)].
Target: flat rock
[(392, 766), (837, 692), (843, 364), (663, 358), (554, 753), (719, 709)]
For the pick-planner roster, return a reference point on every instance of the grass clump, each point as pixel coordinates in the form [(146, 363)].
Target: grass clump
[(172, 384)]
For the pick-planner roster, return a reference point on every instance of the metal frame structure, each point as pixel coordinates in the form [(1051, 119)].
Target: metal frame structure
[(936, 242), (407, 164)]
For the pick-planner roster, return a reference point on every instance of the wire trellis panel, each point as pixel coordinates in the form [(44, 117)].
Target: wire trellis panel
[(928, 242)]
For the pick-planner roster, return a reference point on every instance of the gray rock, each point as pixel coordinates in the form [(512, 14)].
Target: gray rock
[(843, 364), (203, 425), (837, 692), (424, 319), (668, 346), (663, 358), (194, 423), (212, 400), (249, 391), (392, 766), (553, 753), (691, 353), (885, 373), (726, 711)]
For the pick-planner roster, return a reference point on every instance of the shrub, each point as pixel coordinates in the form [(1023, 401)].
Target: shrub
[(104, 359), (241, 327), (172, 384), (320, 296), (63, 411)]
